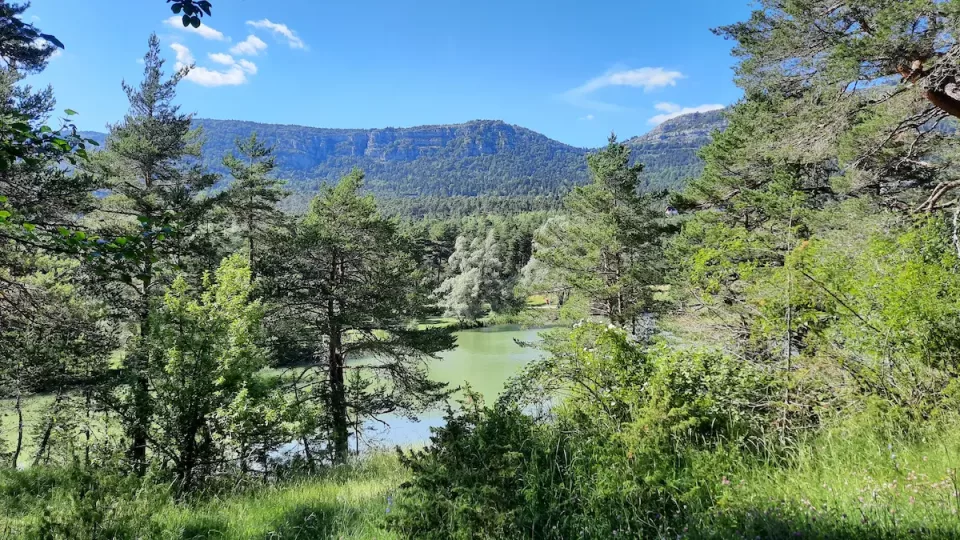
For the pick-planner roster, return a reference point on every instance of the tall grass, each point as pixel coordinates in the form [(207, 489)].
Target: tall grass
[(349, 502), (848, 483)]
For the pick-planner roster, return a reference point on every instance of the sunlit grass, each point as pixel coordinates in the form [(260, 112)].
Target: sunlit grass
[(846, 485), (348, 503)]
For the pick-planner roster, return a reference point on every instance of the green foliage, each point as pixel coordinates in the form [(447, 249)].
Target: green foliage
[(253, 195), (22, 45), (607, 246), (640, 438), (211, 407), (480, 277), (347, 284), (192, 10)]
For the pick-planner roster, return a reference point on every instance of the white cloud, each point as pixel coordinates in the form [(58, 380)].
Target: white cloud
[(249, 47), (34, 18), (139, 61), (293, 40), (184, 56), (233, 75), (587, 117), (41, 43), (222, 58), (248, 66), (205, 31), (672, 110), (648, 78)]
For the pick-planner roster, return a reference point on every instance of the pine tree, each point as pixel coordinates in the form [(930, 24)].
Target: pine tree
[(608, 244), (150, 224), (346, 277), (253, 196)]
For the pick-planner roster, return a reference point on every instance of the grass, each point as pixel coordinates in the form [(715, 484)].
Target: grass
[(349, 503), (34, 412), (848, 484)]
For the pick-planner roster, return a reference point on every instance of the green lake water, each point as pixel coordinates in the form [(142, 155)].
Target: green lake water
[(485, 358)]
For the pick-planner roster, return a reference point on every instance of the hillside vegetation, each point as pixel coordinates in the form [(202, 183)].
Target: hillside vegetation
[(482, 157)]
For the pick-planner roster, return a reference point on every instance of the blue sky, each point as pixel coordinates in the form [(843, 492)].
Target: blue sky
[(573, 70)]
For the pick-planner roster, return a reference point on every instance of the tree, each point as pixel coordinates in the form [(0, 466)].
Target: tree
[(253, 196), (608, 244), (869, 82), (347, 278), (149, 227), (47, 328), (205, 371), (192, 10), (479, 277), (22, 46)]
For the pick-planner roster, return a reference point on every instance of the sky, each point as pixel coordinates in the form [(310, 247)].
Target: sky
[(573, 70)]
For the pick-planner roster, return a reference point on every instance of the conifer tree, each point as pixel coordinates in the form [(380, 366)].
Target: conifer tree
[(150, 225), (608, 244), (253, 196), (348, 280)]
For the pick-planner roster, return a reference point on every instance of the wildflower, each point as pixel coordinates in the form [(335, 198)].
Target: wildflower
[(725, 481), (924, 458)]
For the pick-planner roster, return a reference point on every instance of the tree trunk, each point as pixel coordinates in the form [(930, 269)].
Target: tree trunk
[(19, 408), (141, 390), (338, 400), (48, 428)]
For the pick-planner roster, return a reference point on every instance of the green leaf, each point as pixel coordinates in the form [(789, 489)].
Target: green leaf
[(70, 112), (4, 214), (186, 20), (30, 227)]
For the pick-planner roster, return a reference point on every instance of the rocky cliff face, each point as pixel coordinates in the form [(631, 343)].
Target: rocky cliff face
[(669, 151), (479, 157)]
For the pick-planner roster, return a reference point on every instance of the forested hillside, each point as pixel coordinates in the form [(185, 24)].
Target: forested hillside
[(669, 151), (482, 157)]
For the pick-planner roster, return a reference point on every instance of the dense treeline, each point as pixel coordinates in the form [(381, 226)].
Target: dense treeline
[(483, 160)]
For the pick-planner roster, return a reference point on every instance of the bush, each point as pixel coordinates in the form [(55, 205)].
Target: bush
[(643, 439)]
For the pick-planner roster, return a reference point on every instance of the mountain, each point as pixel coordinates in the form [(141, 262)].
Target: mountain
[(482, 157), (479, 157), (669, 151)]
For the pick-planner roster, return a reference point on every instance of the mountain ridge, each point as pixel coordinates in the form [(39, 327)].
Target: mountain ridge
[(478, 157)]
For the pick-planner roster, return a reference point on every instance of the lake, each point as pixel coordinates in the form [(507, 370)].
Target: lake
[(484, 357)]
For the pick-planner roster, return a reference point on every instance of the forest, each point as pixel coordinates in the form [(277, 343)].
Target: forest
[(192, 350)]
